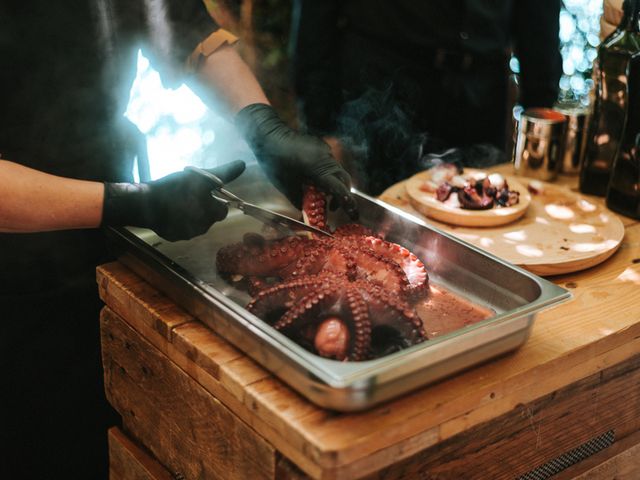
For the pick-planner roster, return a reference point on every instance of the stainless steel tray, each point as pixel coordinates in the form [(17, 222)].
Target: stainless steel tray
[(186, 272)]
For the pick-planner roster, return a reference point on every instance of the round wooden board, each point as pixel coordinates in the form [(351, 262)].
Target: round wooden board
[(427, 204), (560, 232)]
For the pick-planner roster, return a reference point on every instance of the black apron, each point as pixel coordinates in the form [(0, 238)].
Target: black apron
[(67, 70)]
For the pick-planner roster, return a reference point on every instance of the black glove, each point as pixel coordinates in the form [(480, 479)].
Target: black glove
[(291, 159), (176, 207)]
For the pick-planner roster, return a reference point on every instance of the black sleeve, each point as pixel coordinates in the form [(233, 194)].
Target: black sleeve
[(174, 30), (537, 45), (315, 63)]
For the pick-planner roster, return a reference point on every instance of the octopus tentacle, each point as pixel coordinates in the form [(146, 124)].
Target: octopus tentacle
[(389, 310), (314, 211), (332, 338), (341, 260), (323, 296), (380, 271), (261, 259), (255, 285), (283, 295), (353, 230), (361, 324), (347, 305), (411, 265), (310, 262)]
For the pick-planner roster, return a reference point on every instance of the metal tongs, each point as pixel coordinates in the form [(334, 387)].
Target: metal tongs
[(280, 222)]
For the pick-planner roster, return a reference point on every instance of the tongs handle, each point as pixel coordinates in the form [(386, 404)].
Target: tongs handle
[(229, 198), (281, 222)]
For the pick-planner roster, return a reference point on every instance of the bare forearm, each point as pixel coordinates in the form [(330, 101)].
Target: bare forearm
[(230, 78), (32, 201)]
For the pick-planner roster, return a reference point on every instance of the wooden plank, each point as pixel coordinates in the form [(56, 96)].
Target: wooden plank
[(514, 397), (116, 284), (396, 452), (533, 434), (348, 474), (285, 470), (393, 454), (183, 425), (211, 355), (128, 461), (232, 386)]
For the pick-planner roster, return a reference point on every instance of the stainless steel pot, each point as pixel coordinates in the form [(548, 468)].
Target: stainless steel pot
[(575, 136), (540, 142)]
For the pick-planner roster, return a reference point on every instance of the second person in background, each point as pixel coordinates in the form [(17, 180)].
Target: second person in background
[(396, 80)]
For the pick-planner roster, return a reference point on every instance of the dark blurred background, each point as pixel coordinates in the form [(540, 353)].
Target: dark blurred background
[(179, 130), (264, 27)]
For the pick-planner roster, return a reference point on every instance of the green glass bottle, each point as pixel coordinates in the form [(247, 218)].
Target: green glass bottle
[(623, 192), (615, 122)]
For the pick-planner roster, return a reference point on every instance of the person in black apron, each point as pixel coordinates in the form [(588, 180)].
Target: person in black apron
[(65, 169), (396, 80)]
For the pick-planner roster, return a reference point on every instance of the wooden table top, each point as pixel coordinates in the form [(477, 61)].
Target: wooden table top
[(598, 328)]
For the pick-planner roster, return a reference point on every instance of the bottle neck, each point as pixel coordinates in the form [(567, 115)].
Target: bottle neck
[(631, 18)]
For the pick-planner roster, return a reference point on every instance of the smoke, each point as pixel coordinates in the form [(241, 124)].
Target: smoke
[(384, 146), (479, 155)]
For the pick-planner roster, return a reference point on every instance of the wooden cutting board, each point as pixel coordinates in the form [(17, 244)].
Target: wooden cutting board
[(560, 232)]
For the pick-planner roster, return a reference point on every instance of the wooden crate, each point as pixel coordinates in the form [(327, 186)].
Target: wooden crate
[(174, 412), (129, 461)]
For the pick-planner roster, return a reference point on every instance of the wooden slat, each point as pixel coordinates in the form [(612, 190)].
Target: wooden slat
[(182, 424), (533, 434), (236, 380), (285, 470), (128, 461), (146, 304)]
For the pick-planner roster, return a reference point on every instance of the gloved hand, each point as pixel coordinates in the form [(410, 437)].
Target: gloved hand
[(291, 159), (176, 207)]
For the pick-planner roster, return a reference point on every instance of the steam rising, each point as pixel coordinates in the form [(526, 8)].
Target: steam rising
[(385, 147)]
